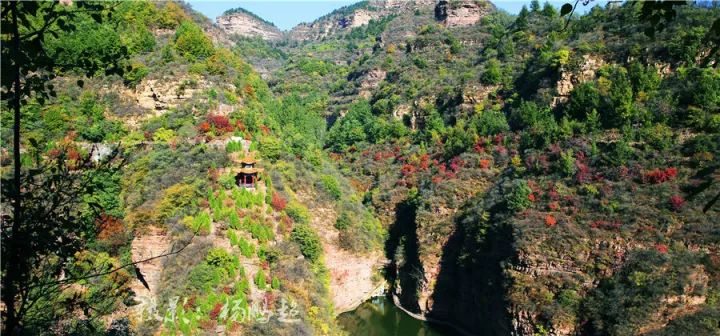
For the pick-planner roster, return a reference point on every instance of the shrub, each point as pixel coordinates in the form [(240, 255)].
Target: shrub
[(233, 146), (275, 283), (191, 42), (343, 221), (278, 202), (220, 258), (550, 220), (261, 232), (200, 223), (308, 240), (677, 202), (177, 199), (260, 279), (567, 163), (657, 176), (227, 181), (298, 213), (247, 249), (330, 185), (492, 74), (518, 197)]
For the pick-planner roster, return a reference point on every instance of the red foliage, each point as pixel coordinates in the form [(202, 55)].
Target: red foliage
[(607, 225), (73, 154), (109, 226), (554, 206), (550, 220), (484, 163), (456, 163), (437, 179), (478, 148), (662, 248), (677, 202), (220, 123), (531, 197), (190, 303), (240, 126), (54, 153), (583, 172), (498, 139), (501, 150), (424, 162), (657, 175), (249, 91), (407, 170), (278, 202), (378, 156), (555, 150), (265, 130), (204, 127), (442, 168), (623, 172), (216, 311)]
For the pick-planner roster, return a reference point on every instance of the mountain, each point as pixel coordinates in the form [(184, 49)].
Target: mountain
[(244, 23)]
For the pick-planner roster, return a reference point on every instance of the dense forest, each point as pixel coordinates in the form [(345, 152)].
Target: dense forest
[(545, 173)]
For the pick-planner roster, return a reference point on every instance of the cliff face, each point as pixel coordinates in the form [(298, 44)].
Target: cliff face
[(247, 25), (461, 13), (347, 18)]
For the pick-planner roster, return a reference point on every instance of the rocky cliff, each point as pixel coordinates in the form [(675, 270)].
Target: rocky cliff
[(461, 13), (349, 17), (247, 24)]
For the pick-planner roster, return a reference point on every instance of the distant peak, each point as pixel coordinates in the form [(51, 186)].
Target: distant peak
[(240, 10)]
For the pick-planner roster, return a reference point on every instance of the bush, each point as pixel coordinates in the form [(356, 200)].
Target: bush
[(260, 280), (278, 202), (200, 223), (227, 181), (330, 185), (233, 146), (518, 197), (583, 100), (492, 74), (343, 221), (191, 42), (247, 249), (308, 240), (261, 232), (298, 213)]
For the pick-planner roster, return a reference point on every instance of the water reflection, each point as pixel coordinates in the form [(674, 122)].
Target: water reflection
[(379, 317)]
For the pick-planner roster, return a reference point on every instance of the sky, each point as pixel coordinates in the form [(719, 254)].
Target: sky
[(285, 14)]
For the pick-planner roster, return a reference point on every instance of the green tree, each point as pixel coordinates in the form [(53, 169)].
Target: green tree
[(583, 100), (492, 74), (191, 42), (30, 59), (308, 240)]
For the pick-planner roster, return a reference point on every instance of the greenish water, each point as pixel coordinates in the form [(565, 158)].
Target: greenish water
[(380, 317)]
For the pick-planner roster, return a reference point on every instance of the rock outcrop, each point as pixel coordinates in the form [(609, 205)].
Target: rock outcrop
[(347, 18), (461, 13), (244, 23), (370, 81), (149, 245)]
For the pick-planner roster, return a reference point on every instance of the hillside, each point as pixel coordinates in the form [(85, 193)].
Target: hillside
[(499, 174)]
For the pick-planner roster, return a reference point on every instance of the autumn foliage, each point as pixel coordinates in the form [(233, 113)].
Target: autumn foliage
[(657, 176), (278, 202)]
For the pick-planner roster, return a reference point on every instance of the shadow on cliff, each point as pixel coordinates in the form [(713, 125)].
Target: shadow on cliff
[(404, 273), (470, 291)]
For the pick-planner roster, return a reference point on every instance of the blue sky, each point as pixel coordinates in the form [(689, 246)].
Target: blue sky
[(285, 14)]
